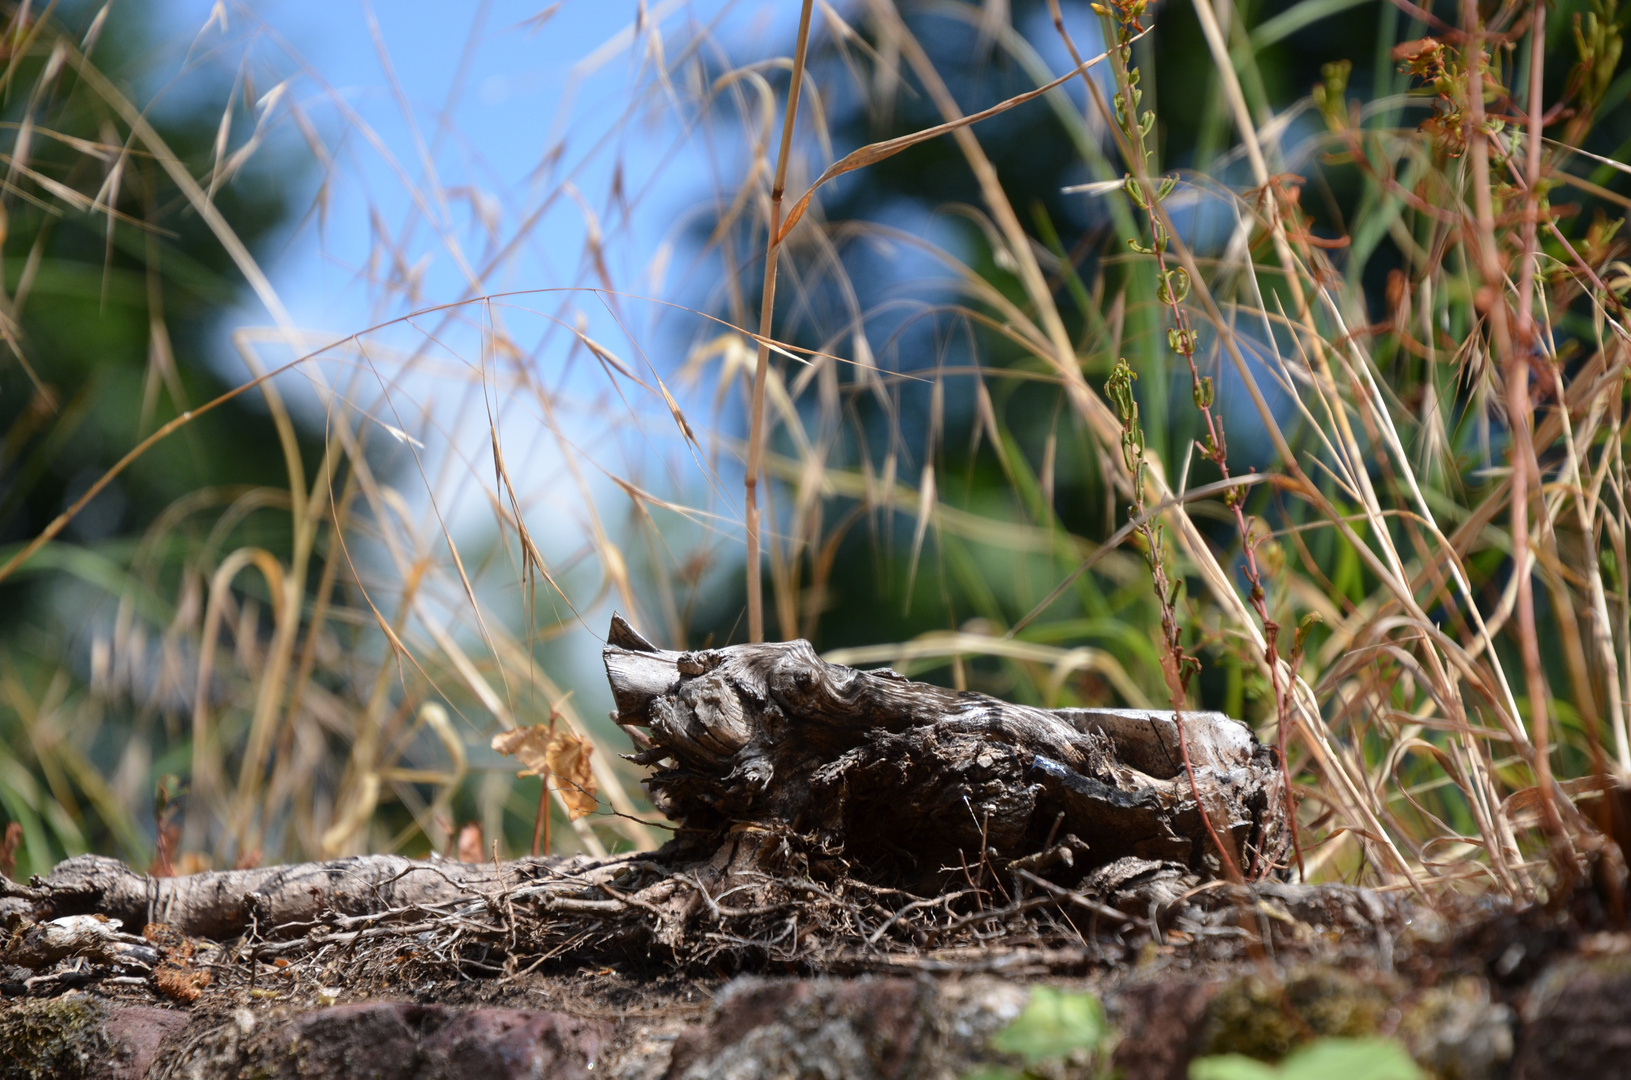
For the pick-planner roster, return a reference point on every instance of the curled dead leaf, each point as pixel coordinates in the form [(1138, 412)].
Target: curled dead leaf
[(470, 848), (176, 975), (562, 756), (527, 745), (568, 758)]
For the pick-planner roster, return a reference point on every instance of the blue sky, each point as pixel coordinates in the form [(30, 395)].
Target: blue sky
[(529, 79), (448, 125), (450, 128)]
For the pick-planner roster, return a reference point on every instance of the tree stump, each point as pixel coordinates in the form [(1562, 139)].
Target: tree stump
[(829, 818), (914, 783)]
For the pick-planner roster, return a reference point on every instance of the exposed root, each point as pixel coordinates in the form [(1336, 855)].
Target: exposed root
[(762, 902)]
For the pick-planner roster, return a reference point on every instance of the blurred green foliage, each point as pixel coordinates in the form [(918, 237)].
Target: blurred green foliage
[(114, 307), (1028, 460), (1058, 1028), (1319, 1059)]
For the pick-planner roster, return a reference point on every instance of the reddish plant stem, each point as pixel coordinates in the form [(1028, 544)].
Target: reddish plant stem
[(540, 825), (1215, 448), (1513, 347), (1176, 665)]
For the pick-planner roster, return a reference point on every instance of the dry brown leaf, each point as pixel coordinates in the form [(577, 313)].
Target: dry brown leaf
[(564, 757), (568, 759), (527, 745), (8, 849), (470, 846), (175, 975), (181, 982)]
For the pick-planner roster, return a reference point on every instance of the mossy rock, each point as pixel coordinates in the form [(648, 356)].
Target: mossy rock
[(1457, 1033), (1267, 1018), (58, 1037)]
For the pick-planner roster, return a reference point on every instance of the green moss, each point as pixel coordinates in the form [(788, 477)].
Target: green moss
[(1266, 1018), (60, 1037), (1457, 1033)]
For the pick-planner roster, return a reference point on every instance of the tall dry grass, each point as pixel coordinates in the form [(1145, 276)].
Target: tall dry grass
[(1419, 591)]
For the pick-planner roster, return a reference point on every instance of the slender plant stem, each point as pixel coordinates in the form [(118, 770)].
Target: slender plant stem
[(1513, 347), (767, 308), (1213, 449), (540, 825)]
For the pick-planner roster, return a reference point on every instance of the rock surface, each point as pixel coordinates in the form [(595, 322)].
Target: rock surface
[(1572, 1022)]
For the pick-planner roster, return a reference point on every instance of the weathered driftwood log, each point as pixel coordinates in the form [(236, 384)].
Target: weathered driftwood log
[(914, 782), (280, 900), (805, 792)]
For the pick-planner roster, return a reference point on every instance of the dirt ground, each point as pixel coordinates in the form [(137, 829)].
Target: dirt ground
[(1482, 992), (871, 878)]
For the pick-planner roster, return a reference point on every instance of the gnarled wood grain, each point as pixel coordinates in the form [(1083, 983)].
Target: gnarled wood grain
[(803, 790), (916, 782)]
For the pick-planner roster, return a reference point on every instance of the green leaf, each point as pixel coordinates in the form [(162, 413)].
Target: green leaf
[(1232, 1067), (1350, 1059), (1054, 1023), (1347, 1059), (1295, 18)]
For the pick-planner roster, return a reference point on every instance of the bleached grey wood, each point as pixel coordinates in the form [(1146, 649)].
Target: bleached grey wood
[(915, 781)]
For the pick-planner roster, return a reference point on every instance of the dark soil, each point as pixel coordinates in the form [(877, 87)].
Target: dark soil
[(871, 877), (1526, 994)]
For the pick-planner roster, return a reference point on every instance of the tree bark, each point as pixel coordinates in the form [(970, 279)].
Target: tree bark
[(914, 783), (801, 788), (286, 900)]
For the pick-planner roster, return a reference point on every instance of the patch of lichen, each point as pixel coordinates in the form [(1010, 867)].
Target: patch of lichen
[(59, 1037), (1456, 1032), (1267, 1018)]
